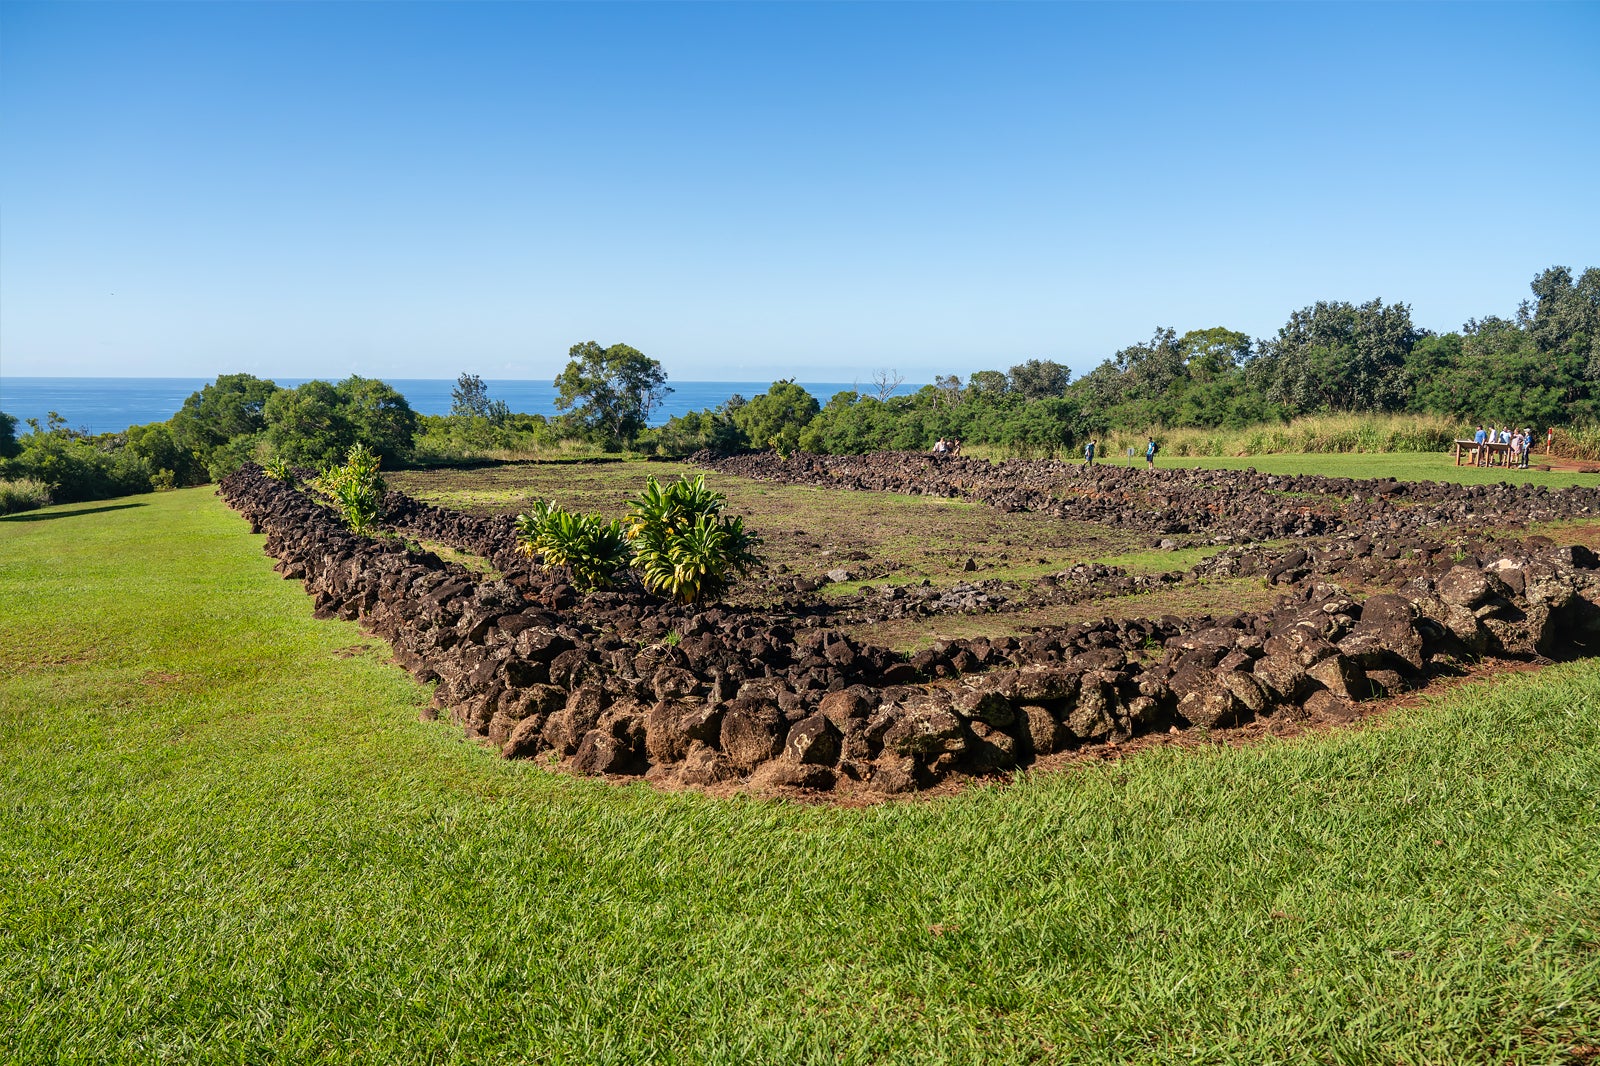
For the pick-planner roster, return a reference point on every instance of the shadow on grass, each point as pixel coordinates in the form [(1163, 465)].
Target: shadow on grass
[(38, 516)]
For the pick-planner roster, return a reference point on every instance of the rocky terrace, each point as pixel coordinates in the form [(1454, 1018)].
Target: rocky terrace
[(625, 684)]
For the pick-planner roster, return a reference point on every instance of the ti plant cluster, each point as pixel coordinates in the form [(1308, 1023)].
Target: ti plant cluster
[(676, 538), (356, 488)]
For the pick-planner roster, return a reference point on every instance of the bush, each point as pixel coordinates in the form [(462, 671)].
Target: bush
[(676, 537), (356, 488), (77, 468), (683, 547), (278, 469), (776, 418), (458, 438), (689, 433), (23, 494), (592, 548), (317, 422)]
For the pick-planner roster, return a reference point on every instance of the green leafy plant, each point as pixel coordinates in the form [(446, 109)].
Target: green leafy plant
[(278, 469), (356, 488), (683, 546), (530, 526), (591, 547)]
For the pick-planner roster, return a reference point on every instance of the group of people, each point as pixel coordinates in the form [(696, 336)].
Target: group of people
[(946, 447), (1150, 449), (1517, 444)]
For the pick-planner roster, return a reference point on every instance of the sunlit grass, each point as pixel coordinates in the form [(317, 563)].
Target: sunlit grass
[(226, 837)]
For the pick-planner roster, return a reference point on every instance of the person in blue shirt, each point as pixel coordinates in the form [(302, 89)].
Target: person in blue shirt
[(1150, 454), (1088, 453)]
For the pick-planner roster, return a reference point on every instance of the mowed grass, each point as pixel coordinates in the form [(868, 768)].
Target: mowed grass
[(225, 837)]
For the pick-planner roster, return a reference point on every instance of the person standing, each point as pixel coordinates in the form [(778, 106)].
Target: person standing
[(1088, 452), (1150, 449), (1514, 456), (1549, 439)]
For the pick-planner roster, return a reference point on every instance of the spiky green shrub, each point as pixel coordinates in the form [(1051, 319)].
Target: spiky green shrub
[(683, 546), (592, 548), (531, 526), (23, 494), (356, 488)]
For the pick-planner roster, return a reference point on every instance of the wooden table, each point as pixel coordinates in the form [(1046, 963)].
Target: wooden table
[(1482, 454)]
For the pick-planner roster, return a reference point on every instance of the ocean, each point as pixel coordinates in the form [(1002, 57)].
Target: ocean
[(111, 405)]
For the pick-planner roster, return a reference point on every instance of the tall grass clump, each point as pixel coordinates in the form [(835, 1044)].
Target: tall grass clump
[(1581, 440), (1331, 433), (23, 494)]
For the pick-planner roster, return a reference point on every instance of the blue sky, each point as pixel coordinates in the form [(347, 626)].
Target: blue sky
[(756, 191)]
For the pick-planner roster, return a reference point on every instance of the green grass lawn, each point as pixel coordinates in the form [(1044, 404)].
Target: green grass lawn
[(1407, 466), (225, 837)]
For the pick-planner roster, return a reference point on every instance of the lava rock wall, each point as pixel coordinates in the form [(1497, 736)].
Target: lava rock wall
[(623, 683)]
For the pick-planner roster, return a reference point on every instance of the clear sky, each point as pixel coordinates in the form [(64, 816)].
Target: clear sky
[(755, 191)]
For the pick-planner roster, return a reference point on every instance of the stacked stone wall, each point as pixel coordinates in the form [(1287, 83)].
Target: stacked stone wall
[(624, 683)]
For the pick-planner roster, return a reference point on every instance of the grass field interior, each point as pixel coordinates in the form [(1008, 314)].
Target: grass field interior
[(226, 837)]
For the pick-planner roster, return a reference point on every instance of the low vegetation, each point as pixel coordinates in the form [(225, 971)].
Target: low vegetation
[(677, 538), (23, 494), (591, 547), (355, 488)]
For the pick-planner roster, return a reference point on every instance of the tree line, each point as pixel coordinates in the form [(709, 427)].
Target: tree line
[(1541, 367)]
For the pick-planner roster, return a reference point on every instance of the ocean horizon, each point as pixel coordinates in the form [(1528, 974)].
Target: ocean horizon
[(111, 405)]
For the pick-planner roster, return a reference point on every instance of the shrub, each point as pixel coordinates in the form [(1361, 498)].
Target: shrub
[(683, 546), (356, 488), (592, 548), (78, 468), (278, 469), (23, 494)]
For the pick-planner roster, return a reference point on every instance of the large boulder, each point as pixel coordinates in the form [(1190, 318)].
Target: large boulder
[(1203, 700), (752, 732), (1042, 730), (926, 727), (1340, 675), (671, 727), (812, 740)]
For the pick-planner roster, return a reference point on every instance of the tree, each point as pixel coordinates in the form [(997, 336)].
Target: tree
[(1565, 317), (610, 392), (988, 383), (470, 399), (776, 417), (885, 382), (234, 405), (1213, 353), (169, 462), (317, 423), (1039, 379), (378, 415), (1341, 357), (307, 425), (948, 388), (8, 436)]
